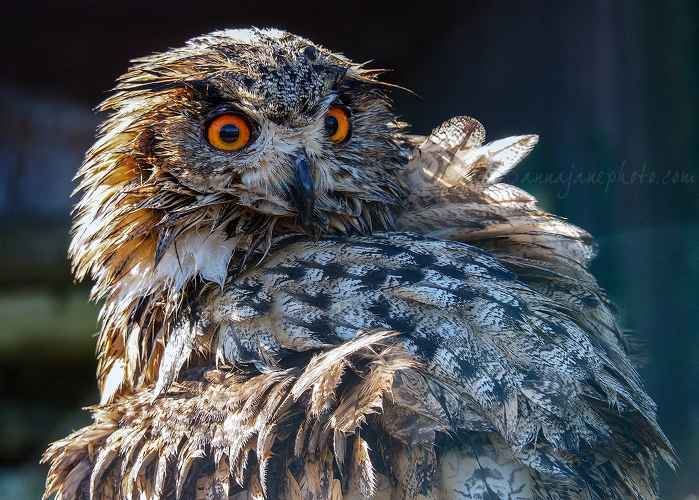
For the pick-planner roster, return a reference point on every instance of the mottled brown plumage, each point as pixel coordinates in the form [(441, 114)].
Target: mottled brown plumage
[(161, 207), (251, 350)]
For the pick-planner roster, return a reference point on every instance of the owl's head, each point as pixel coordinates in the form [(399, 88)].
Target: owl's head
[(222, 144)]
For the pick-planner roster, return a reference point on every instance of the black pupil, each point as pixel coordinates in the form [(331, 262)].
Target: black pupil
[(229, 133), (331, 124)]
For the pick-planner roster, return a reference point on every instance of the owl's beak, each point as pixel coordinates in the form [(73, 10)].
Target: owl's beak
[(303, 194)]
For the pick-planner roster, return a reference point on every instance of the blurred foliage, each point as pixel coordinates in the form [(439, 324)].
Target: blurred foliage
[(47, 352)]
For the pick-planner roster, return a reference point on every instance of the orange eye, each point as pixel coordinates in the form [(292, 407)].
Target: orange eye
[(338, 125), (228, 132)]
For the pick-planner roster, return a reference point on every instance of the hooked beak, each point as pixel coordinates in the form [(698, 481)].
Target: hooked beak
[(303, 194)]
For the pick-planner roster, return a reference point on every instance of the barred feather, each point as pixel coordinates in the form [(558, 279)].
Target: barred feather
[(223, 415), (481, 353)]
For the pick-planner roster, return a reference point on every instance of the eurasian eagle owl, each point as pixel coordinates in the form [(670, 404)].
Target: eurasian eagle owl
[(303, 301)]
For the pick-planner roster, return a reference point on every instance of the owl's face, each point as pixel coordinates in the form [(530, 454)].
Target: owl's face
[(281, 125), (243, 134)]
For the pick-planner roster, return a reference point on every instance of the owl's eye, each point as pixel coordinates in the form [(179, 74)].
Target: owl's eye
[(228, 132), (338, 125)]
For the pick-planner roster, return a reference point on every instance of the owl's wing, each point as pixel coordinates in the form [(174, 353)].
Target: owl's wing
[(454, 154), (457, 194), (389, 365), (469, 321), (336, 429)]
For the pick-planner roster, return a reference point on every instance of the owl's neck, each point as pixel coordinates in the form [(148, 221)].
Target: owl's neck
[(198, 253), (143, 303), (140, 310)]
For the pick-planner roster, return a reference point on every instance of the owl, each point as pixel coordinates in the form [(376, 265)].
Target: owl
[(302, 301)]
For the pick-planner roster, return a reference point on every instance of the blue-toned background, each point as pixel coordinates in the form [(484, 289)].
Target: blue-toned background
[(612, 88)]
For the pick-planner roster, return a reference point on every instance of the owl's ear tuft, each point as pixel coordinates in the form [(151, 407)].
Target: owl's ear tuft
[(202, 88), (152, 86)]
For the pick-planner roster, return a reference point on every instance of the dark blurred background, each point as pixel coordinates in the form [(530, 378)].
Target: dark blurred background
[(612, 88)]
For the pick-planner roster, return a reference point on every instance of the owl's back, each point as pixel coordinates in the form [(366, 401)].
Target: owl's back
[(463, 381)]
